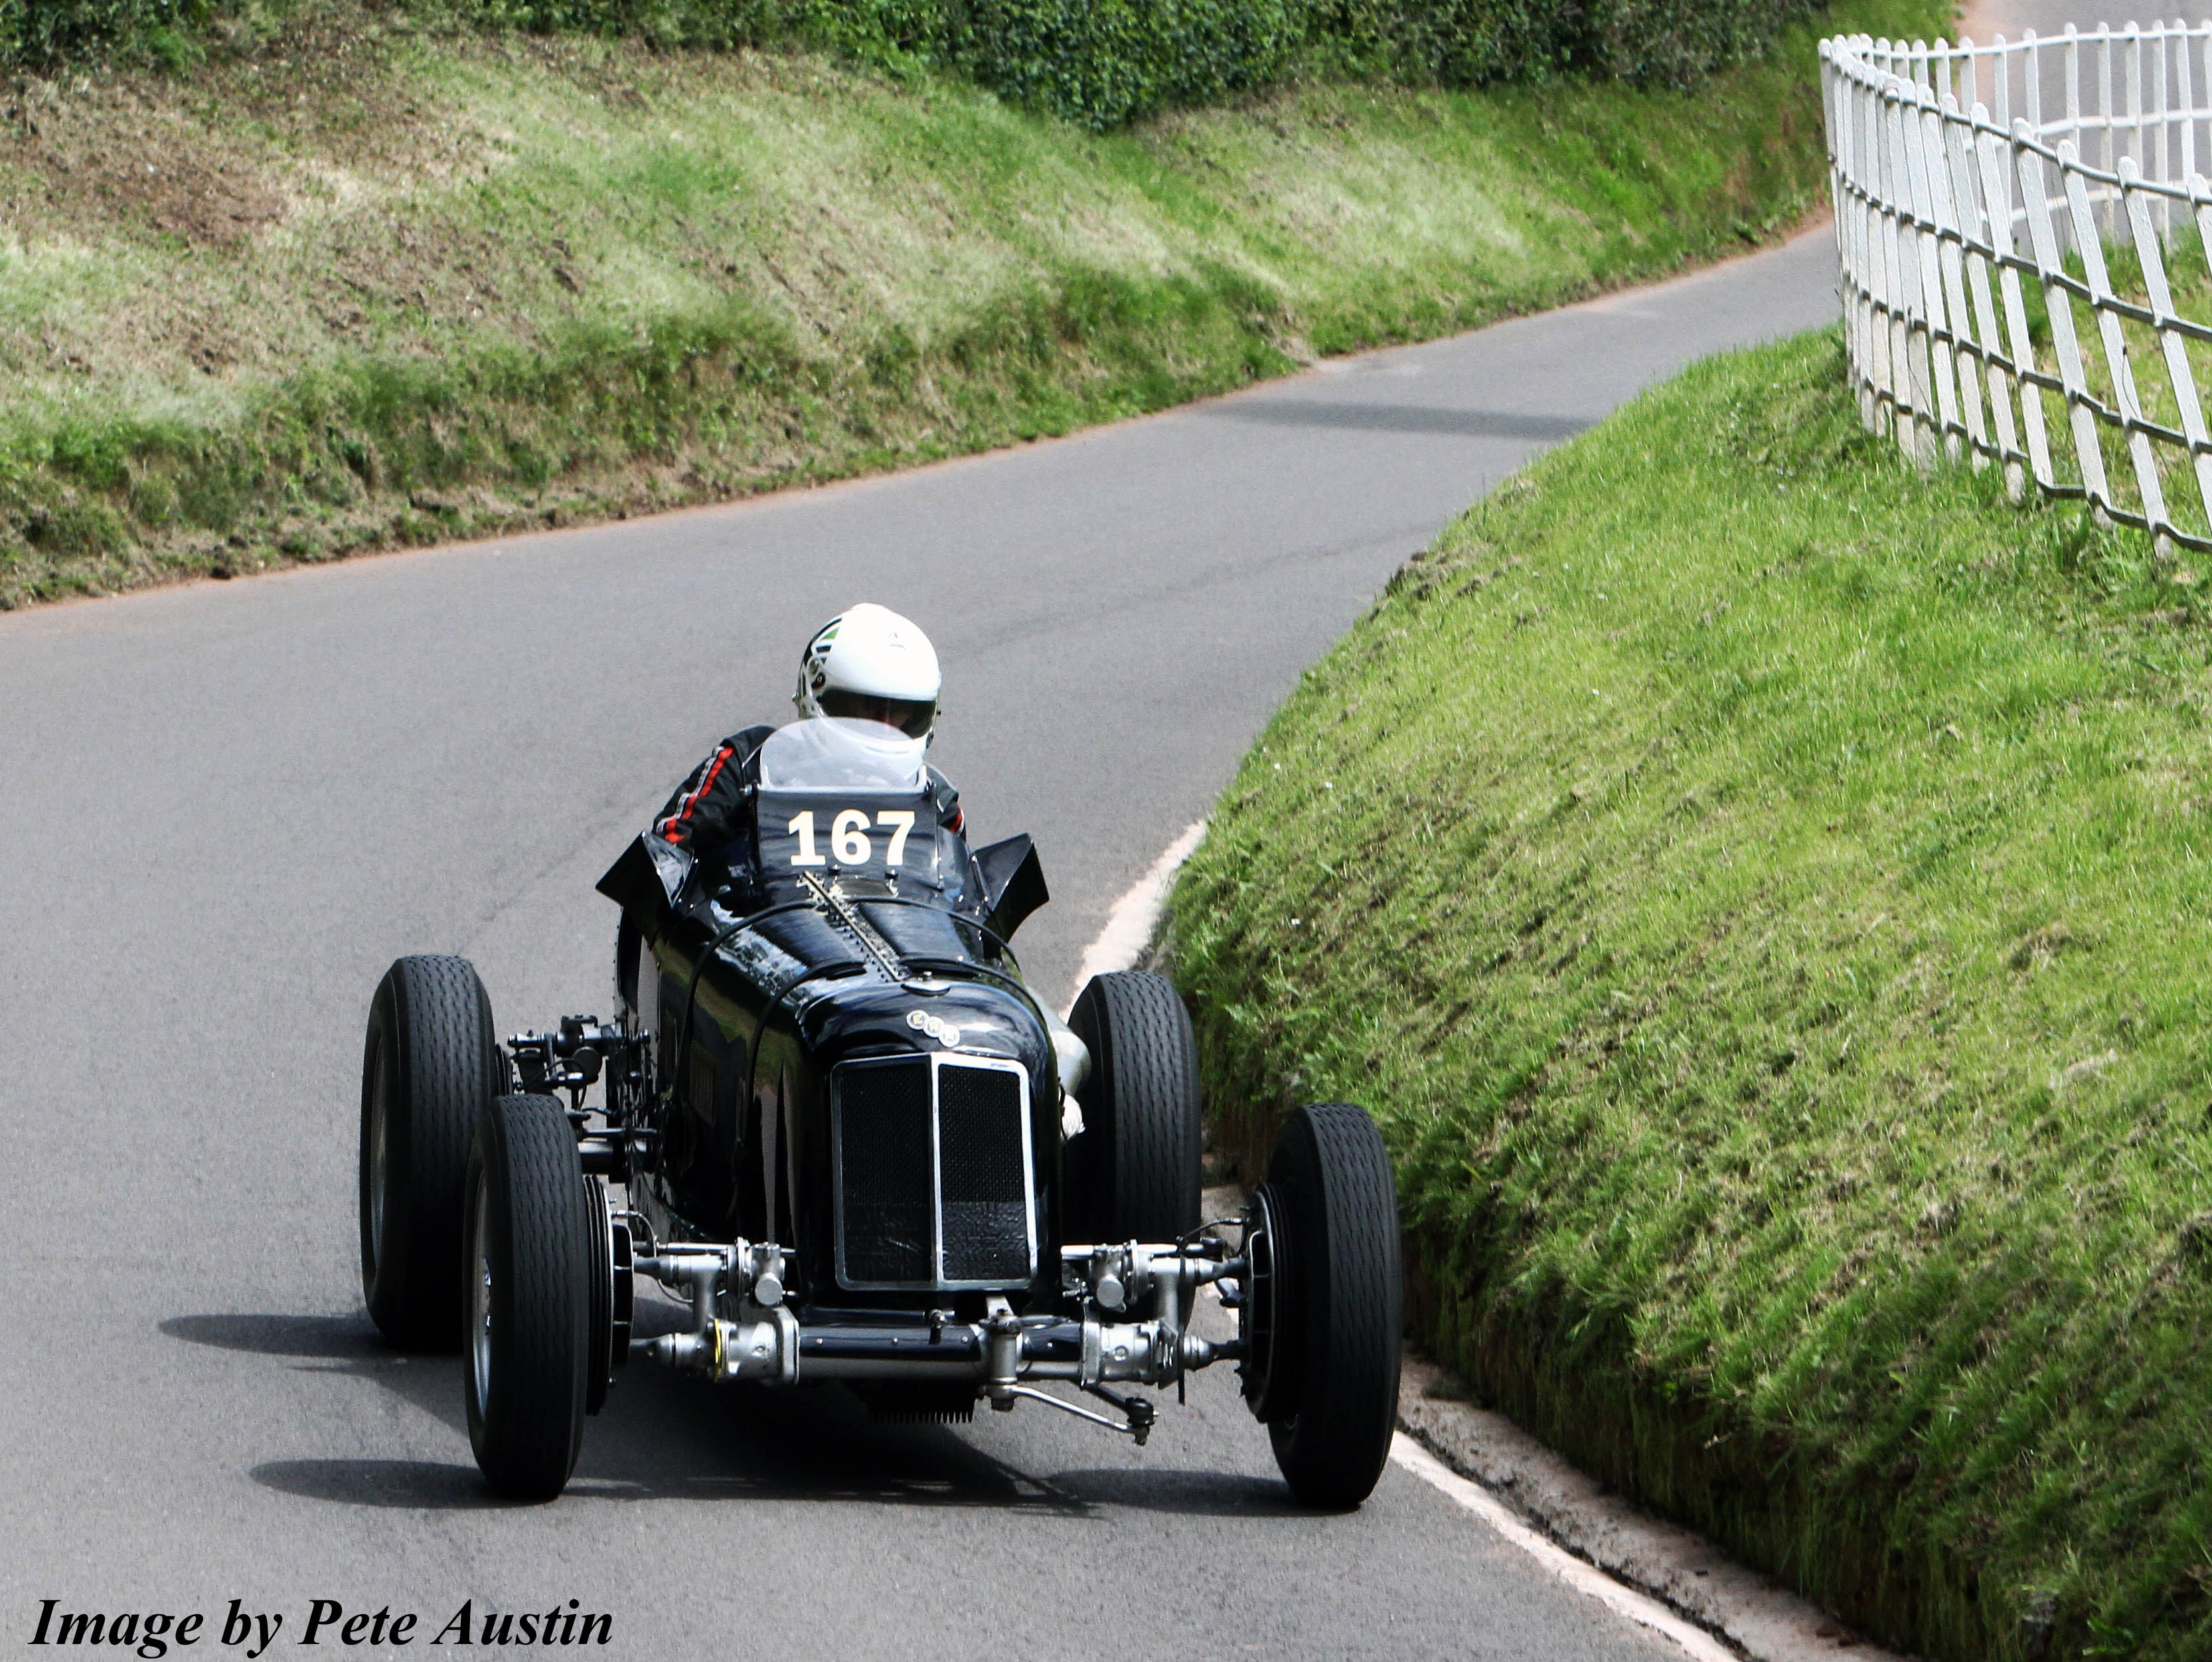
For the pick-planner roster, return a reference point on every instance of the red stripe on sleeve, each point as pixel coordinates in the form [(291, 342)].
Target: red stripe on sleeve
[(672, 827)]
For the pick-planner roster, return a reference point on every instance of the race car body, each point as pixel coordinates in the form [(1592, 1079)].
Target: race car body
[(836, 1122)]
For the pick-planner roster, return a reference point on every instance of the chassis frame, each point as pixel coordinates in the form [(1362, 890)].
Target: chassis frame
[(1133, 1300)]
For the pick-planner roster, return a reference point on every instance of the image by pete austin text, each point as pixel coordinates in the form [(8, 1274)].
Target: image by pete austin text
[(321, 1622)]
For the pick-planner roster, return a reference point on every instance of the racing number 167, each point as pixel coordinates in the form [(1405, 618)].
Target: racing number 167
[(849, 837)]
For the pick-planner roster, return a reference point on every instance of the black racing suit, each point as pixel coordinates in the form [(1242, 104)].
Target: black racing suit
[(713, 805)]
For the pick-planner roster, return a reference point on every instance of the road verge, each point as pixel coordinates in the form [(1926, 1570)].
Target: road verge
[(1758, 890)]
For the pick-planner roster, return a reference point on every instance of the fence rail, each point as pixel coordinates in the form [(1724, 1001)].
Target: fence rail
[(1968, 240)]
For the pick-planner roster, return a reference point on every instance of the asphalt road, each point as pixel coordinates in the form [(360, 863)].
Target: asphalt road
[(226, 808)]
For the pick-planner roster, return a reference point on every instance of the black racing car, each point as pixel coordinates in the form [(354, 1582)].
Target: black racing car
[(835, 1120)]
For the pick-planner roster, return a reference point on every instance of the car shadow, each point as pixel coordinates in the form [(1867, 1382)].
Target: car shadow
[(332, 1337), (665, 1436), (347, 1345), (408, 1485), (1184, 1493)]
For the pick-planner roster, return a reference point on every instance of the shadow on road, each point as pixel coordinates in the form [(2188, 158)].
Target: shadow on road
[(410, 1485), (349, 1346), (1185, 1494), (1400, 418), (666, 1437), (336, 1339)]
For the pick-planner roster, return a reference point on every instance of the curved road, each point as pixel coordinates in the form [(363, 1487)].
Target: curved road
[(226, 808)]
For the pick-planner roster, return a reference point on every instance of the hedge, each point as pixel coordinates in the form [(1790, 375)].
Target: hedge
[(42, 34), (1099, 62)]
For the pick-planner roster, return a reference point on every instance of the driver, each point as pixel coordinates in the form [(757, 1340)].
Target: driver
[(866, 662)]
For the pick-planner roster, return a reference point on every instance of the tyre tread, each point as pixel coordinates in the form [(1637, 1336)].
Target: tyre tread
[(432, 1015), (528, 1440), (1331, 1159), (1145, 1183)]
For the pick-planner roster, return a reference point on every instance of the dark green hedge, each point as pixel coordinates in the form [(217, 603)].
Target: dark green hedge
[(41, 33), (1099, 62), (1104, 62), (1469, 42)]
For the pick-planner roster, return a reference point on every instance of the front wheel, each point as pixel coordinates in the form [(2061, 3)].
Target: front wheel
[(1325, 1305), (1142, 1141), (528, 1306)]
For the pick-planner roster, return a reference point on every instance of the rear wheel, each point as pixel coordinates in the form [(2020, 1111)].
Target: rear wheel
[(1142, 1139), (529, 1305), (1325, 1304), (431, 1063)]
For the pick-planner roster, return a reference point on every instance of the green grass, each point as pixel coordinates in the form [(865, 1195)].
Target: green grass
[(1763, 894), (349, 284)]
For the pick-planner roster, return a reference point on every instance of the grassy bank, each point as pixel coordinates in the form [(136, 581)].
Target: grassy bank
[(1764, 894), (351, 285)]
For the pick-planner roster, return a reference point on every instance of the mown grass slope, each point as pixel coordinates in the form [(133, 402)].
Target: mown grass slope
[(1763, 894), (356, 284)]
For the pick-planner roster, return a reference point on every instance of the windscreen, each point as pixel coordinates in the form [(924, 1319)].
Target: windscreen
[(840, 754)]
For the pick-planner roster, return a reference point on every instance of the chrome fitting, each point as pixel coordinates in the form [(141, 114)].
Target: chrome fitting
[(761, 1343), (1002, 1351), (1120, 1279), (1121, 1350)]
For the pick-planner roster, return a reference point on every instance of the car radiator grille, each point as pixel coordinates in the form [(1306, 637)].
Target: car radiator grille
[(932, 1179)]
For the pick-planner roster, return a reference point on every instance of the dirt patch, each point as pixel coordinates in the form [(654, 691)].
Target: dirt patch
[(164, 177), (221, 154)]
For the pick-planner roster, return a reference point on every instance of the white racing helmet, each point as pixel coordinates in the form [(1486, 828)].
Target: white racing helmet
[(870, 663)]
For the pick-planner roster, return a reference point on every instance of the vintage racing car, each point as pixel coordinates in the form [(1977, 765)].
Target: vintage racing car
[(834, 1120)]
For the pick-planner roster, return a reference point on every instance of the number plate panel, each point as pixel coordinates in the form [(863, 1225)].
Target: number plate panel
[(847, 834)]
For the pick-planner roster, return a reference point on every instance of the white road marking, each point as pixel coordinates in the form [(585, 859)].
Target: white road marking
[(1585, 1578), (1130, 926)]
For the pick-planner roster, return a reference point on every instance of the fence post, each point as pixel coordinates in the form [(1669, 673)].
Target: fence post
[(2160, 166), (2058, 305), (1952, 217), (1996, 188), (1928, 241), (1875, 264), (2031, 84), (1978, 222), (1836, 95), (2116, 345), (1909, 332), (2185, 88), (2179, 371), (2107, 106), (2125, 149)]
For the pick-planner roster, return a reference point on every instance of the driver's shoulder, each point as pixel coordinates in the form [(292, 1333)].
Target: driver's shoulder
[(945, 799), (743, 748)]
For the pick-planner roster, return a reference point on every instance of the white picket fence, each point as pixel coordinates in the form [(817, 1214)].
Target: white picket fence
[(1985, 197)]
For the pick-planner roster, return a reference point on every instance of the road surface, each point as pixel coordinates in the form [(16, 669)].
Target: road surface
[(228, 807)]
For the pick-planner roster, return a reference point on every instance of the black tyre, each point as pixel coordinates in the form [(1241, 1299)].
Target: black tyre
[(1329, 1306), (431, 1064), (1142, 1139), (528, 1308)]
